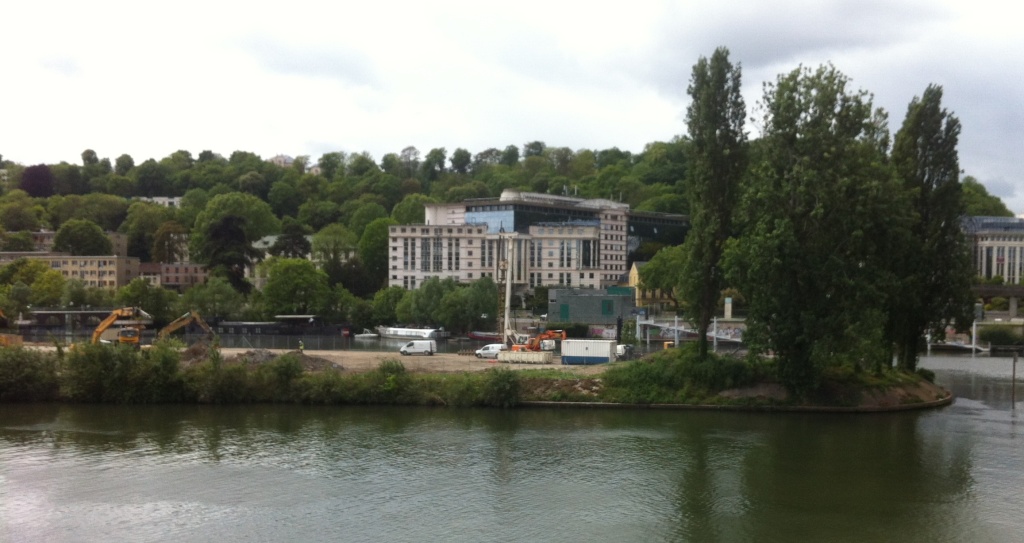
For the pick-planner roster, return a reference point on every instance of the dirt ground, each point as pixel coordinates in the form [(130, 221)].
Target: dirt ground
[(361, 361)]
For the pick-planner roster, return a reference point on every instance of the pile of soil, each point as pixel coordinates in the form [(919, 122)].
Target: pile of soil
[(195, 354)]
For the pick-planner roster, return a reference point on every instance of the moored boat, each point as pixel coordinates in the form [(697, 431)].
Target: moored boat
[(366, 334), (484, 336), (388, 332)]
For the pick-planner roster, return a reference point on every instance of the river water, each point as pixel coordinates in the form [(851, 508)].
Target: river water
[(292, 473)]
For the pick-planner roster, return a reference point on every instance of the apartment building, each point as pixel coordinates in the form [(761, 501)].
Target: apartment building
[(181, 276), (545, 240), (95, 271)]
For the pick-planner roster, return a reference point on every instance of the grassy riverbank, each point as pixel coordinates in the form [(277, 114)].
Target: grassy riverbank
[(106, 374)]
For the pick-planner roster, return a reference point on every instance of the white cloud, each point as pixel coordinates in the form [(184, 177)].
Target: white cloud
[(309, 77)]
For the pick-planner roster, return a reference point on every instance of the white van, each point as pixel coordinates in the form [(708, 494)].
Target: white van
[(491, 351), (421, 346)]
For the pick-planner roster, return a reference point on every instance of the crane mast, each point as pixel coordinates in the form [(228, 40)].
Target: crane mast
[(505, 277)]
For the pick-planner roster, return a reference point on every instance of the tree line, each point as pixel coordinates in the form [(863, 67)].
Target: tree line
[(844, 242)]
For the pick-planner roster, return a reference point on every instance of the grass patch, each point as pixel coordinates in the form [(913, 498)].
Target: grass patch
[(680, 376)]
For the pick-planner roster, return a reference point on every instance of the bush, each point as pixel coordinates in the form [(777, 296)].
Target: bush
[(211, 382), (1001, 335), (155, 377), (927, 375), (679, 375), (99, 373), (501, 388), (27, 376), (389, 383)]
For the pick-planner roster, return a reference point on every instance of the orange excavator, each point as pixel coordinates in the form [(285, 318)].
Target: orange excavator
[(544, 341), (131, 331), (183, 321)]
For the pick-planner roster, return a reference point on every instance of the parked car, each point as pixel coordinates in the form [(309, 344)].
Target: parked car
[(425, 346), (491, 350)]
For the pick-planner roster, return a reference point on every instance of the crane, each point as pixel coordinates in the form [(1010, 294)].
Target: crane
[(183, 321), (131, 332), (509, 335)]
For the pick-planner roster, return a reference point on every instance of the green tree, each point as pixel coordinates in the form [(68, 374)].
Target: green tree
[(363, 216), (157, 301), (391, 164), (254, 183), (258, 218), (820, 209), (718, 160), (169, 242), (215, 299), (331, 247), (74, 293), (384, 303), (292, 243), (534, 148), (373, 250), (664, 272), (19, 242), (152, 178), (284, 199), (141, 225), (933, 270), (47, 289), (226, 250), (460, 161), (68, 179), (317, 214), (82, 237), (360, 165), (411, 209), (123, 164), (38, 181), (410, 161), (331, 164), (432, 167), (295, 287), (22, 270), (979, 203)]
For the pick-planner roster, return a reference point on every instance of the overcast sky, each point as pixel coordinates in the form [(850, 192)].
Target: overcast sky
[(305, 77)]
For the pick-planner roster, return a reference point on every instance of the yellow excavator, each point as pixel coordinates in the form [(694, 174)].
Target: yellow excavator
[(183, 321), (130, 331), (8, 340)]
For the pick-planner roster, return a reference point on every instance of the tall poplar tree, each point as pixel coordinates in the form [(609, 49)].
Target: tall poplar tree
[(718, 160), (821, 208), (934, 269)]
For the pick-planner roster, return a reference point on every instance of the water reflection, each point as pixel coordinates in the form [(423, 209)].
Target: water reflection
[(234, 473)]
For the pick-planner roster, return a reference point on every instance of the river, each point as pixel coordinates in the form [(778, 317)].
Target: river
[(293, 473)]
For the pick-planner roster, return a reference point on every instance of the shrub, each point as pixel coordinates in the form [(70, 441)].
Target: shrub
[(927, 375), (211, 382), (680, 375), (27, 376), (99, 373), (501, 388), (1001, 335), (389, 383), (154, 377)]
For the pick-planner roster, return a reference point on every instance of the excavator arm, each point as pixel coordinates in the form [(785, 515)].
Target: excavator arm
[(120, 313), (183, 321)]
